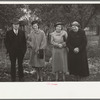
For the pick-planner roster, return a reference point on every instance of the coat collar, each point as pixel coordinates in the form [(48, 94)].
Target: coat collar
[(15, 33)]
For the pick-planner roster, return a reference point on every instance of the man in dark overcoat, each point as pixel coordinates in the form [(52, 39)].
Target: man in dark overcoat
[(77, 56), (15, 42)]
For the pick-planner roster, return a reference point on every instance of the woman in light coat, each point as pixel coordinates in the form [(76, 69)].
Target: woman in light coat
[(59, 52), (37, 41)]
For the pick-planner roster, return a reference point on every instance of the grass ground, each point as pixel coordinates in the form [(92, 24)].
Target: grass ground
[(93, 52)]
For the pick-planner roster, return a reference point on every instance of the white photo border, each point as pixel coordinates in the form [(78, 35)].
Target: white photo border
[(50, 90)]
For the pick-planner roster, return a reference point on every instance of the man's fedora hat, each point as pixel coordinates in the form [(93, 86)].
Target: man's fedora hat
[(15, 21)]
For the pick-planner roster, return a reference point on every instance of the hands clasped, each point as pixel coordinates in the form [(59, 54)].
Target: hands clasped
[(76, 50), (60, 45)]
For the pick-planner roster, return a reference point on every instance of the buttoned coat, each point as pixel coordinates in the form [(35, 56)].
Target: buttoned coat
[(15, 43), (78, 64)]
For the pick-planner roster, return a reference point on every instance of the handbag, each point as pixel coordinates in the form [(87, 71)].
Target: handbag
[(40, 54), (64, 38)]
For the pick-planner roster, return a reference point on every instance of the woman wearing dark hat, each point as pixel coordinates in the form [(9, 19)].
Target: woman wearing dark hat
[(37, 41), (59, 52), (78, 64)]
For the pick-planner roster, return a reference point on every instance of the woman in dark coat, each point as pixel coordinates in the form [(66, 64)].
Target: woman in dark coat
[(77, 57)]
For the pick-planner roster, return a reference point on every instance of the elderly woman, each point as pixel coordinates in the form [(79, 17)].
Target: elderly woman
[(59, 52), (37, 41), (77, 42)]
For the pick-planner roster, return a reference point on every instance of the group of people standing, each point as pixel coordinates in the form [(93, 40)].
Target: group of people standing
[(68, 52)]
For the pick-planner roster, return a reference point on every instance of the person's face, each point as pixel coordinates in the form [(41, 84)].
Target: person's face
[(16, 26), (35, 26), (58, 28), (75, 28)]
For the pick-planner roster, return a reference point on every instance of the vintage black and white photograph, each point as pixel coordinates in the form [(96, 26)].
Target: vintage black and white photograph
[(49, 42)]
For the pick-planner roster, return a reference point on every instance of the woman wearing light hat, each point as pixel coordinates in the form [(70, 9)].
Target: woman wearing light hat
[(59, 52), (77, 58)]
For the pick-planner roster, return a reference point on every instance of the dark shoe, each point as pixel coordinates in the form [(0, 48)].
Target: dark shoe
[(57, 79), (13, 80), (21, 79), (77, 78), (40, 79)]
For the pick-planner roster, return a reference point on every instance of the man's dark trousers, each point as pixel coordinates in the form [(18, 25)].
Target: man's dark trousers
[(19, 58)]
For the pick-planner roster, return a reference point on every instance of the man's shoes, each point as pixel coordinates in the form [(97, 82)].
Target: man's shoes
[(21, 79), (13, 80)]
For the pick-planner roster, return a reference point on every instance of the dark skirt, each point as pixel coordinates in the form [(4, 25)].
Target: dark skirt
[(78, 64)]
